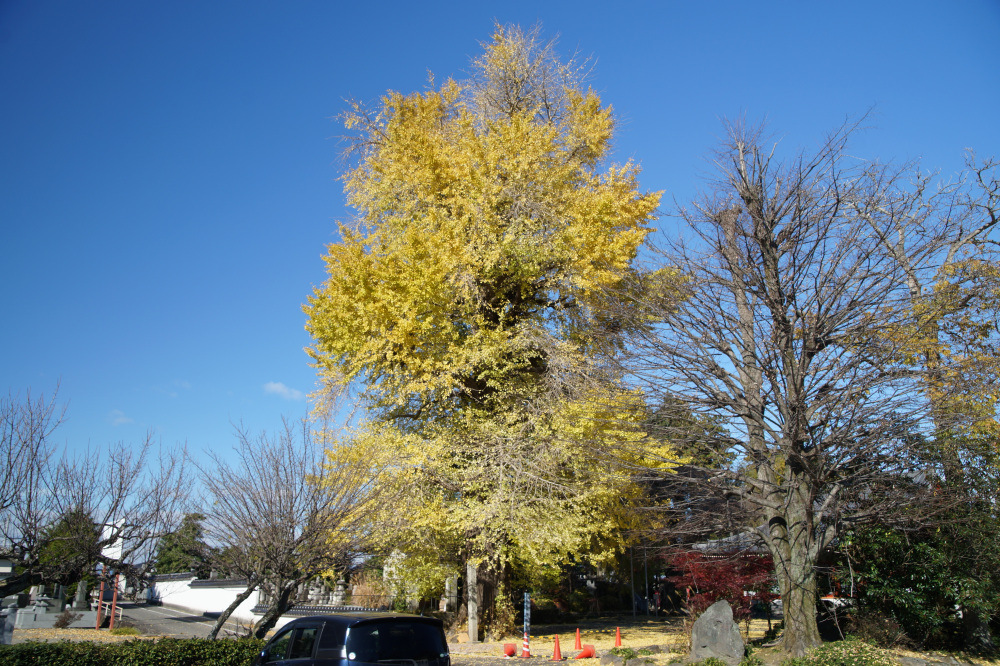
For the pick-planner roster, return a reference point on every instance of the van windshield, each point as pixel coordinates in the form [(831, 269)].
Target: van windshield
[(395, 642)]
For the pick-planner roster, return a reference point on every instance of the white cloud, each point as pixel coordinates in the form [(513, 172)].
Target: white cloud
[(117, 417), (277, 388)]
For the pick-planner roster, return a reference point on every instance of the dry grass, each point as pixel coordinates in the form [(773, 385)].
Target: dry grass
[(669, 634), (71, 634), (634, 633)]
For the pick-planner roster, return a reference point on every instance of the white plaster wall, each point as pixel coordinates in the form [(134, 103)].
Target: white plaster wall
[(198, 600), (169, 590)]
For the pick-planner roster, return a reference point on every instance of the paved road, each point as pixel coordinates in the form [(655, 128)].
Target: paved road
[(166, 621)]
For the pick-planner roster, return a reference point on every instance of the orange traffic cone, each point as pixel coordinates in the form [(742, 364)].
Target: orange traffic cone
[(588, 653), (556, 652), (525, 650), (510, 649), (618, 636), (578, 646)]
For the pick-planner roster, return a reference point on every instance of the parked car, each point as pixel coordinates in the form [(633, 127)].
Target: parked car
[(351, 639)]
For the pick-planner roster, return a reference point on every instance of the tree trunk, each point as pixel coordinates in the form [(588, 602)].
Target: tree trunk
[(792, 544), (798, 599), (279, 606), (496, 610), (240, 598), (976, 627)]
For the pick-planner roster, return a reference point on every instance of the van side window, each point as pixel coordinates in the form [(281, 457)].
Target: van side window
[(279, 646), (331, 641), (303, 642)]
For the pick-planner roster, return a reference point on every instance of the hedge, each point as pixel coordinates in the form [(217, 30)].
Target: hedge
[(162, 652)]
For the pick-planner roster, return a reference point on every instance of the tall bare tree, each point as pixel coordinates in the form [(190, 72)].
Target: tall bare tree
[(771, 319), (126, 498), (25, 498), (954, 290), (955, 300), (283, 511)]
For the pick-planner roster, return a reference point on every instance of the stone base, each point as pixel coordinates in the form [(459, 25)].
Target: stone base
[(28, 618)]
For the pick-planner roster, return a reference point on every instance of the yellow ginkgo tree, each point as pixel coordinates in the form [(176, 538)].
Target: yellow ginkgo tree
[(465, 301)]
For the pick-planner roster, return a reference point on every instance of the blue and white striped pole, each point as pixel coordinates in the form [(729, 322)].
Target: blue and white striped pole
[(525, 649)]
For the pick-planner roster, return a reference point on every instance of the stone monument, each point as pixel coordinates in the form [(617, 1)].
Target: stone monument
[(715, 634), (80, 600), (7, 620), (339, 593)]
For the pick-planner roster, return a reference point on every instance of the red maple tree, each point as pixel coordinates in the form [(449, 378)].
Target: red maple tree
[(738, 577)]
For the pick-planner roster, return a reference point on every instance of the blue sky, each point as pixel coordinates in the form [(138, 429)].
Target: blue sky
[(168, 170)]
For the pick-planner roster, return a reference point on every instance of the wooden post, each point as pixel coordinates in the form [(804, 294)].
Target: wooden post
[(100, 601), (114, 602)]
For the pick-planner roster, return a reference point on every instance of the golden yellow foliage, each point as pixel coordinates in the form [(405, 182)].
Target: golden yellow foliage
[(470, 232), (464, 299), (952, 337)]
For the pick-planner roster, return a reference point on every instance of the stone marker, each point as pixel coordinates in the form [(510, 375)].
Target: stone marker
[(42, 604), (715, 634), (7, 625), (80, 601)]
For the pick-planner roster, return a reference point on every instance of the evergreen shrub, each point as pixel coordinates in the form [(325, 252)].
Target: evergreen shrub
[(849, 652), (163, 652)]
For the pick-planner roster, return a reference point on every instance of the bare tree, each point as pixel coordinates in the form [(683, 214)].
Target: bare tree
[(772, 324), (134, 494), (25, 427), (953, 285), (59, 516), (954, 290), (285, 511)]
